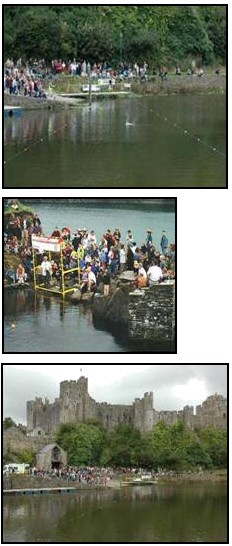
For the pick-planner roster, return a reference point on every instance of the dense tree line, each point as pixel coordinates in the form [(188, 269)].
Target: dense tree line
[(155, 34), (173, 447)]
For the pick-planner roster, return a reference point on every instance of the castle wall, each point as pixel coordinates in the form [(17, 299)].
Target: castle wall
[(213, 410), (113, 415), (75, 405), (152, 314)]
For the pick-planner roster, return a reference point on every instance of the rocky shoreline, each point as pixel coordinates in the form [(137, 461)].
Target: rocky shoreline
[(52, 102)]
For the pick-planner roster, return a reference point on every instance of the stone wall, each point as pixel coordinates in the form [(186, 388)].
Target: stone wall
[(152, 314), (15, 441), (45, 458), (214, 409)]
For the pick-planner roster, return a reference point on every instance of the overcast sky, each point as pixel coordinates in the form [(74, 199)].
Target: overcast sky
[(173, 385)]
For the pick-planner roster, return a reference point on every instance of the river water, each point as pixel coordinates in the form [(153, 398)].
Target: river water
[(95, 148), (46, 324), (161, 513)]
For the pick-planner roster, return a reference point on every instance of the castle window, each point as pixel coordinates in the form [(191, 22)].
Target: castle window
[(224, 415)]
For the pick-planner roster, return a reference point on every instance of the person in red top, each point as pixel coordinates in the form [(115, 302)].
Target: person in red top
[(21, 276), (56, 233)]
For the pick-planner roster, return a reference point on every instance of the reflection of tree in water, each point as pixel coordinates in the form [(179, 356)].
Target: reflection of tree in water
[(85, 124), (22, 301), (18, 302), (86, 311)]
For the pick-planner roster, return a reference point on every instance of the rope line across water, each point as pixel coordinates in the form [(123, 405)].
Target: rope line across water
[(163, 118), (191, 135)]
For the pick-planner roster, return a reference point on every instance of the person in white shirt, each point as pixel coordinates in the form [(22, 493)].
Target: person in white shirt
[(92, 239), (141, 270), (154, 273), (46, 270), (122, 258), (92, 281)]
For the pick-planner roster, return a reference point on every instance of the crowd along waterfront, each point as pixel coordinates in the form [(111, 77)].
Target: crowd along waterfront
[(54, 325)]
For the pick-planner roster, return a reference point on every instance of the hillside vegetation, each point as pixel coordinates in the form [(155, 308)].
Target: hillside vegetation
[(155, 34)]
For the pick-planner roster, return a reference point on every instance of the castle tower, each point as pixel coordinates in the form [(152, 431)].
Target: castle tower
[(30, 415), (143, 413), (148, 411), (74, 390), (74, 399)]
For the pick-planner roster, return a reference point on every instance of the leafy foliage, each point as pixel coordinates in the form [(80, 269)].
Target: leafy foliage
[(83, 443), (25, 456), (157, 34), (8, 423), (173, 447)]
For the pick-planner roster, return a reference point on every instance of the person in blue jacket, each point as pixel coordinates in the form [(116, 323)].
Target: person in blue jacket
[(164, 243)]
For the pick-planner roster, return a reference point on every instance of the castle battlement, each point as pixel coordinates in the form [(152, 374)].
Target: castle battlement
[(75, 405)]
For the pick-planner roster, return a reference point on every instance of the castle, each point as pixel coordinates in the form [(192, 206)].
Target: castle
[(75, 405)]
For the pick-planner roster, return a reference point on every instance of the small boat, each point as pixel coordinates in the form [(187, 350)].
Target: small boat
[(94, 88), (139, 481)]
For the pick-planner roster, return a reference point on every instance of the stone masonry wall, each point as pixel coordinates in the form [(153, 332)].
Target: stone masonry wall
[(152, 313)]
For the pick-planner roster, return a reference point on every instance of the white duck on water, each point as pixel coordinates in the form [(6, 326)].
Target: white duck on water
[(128, 123)]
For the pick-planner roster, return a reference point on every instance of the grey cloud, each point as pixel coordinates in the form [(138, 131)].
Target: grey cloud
[(161, 379), (20, 386)]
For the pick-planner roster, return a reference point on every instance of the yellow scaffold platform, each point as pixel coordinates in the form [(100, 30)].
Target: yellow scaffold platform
[(51, 246)]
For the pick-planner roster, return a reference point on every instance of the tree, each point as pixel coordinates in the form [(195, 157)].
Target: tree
[(215, 444), (177, 447), (83, 443), (8, 423), (127, 447), (160, 34)]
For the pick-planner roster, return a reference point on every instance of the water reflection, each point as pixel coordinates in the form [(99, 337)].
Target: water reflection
[(153, 514), (94, 146), (46, 324)]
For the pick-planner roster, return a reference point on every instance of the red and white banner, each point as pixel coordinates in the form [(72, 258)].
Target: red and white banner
[(46, 243)]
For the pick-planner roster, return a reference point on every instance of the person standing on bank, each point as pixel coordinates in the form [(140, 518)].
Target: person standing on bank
[(164, 243), (46, 271)]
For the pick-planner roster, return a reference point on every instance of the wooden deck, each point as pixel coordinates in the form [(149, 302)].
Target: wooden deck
[(39, 491), (101, 94)]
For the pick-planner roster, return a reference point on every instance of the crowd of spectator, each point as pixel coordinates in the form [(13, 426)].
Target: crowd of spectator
[(94, 262), (88, 475)]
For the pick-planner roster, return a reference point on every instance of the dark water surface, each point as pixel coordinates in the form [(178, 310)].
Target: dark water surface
[(47, 324), (95, 148), (168, 513)]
